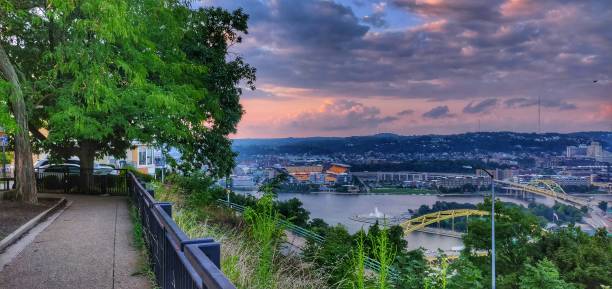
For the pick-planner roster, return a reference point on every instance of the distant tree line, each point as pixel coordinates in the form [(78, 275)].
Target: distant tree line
[(509, 142)]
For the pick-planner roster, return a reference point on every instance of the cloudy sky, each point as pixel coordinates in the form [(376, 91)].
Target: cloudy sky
[(357, 67)]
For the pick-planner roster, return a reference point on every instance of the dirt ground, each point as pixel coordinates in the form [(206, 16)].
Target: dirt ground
[(15, 214)]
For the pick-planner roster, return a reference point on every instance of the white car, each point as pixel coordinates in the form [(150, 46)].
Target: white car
[(100, 169)]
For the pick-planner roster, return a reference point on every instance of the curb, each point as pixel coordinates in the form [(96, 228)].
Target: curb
[(17, 234)]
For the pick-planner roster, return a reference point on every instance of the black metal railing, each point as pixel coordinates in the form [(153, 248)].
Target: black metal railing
[(176, 260), (71, 180), (6, 184)]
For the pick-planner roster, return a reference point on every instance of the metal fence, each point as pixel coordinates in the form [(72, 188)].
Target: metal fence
[(71, 180), (176, 260), (369, 263), (6, 183)]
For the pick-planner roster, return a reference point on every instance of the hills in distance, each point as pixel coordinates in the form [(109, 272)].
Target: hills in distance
[(507, 142)]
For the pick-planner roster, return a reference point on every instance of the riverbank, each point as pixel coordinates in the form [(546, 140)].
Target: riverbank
[(402, 191), (432, 193)]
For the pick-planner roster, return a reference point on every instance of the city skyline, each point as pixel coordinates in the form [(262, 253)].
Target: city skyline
[(361, 67)]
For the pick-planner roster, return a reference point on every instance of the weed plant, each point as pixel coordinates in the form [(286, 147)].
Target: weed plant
[(359, 255), (263, 220), (384, 253)]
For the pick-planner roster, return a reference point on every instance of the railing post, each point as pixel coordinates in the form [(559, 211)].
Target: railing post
[(167, 207), (208, 246)]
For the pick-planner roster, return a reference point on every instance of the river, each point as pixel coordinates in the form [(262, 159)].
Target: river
[(339, 208)]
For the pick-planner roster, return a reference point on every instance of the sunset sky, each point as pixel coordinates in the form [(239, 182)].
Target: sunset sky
[(358, 67)]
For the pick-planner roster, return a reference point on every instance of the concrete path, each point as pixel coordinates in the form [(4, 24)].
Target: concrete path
[(88, 246)]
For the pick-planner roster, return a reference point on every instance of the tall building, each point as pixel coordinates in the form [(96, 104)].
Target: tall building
[(576, 151), (570, 151), (594, 150)]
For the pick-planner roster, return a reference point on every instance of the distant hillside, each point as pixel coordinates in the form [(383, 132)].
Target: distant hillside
[(391, 143)]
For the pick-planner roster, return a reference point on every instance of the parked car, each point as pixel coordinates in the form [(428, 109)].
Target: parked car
[(44, 163), (61, 169), (100, 169)]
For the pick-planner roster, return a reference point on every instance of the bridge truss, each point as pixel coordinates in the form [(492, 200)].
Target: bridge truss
[(421, 222), (547, 188)]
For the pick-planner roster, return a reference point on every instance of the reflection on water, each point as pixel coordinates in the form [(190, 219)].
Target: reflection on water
[(338, 208)]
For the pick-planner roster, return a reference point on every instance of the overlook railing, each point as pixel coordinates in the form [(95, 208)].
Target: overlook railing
[(73, 180), (177, 261), (6, 183)]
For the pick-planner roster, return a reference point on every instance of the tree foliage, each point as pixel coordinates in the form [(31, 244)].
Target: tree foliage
[(102, 74), (528, 256), (544, 275)]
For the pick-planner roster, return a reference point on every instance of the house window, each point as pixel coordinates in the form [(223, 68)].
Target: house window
[(142, 156), (149, 156)]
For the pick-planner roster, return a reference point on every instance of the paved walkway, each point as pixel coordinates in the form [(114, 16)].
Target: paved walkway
[(87, 247)]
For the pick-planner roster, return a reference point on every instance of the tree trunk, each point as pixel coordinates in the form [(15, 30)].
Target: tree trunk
[(25, 178), (87, 154)]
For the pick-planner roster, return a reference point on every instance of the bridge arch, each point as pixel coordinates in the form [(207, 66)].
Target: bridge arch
[(421, 222), (550, 185), (552, 189)]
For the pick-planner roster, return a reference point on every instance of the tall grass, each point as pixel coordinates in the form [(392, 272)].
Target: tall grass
[(385, 255), (240, 252), (359, 256), (263, 220)]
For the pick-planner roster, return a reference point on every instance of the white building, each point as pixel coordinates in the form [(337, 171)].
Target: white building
[(594, 150)]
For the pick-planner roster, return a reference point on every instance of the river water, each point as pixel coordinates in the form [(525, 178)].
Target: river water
[(339, 208)]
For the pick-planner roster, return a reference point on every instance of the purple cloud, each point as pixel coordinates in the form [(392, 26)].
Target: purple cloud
[(480, 107), (438, 112), (521, 102), (405, 112)]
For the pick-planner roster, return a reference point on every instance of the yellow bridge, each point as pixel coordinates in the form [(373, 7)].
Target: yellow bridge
[(421, 222), (547, 188)]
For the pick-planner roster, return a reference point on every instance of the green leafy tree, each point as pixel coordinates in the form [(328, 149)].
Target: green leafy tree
[(544, 275), (412, 268), (318, 226), (333, 256), (580, 258), (293, 211), (102, 74), (515, 231), (464, 274)]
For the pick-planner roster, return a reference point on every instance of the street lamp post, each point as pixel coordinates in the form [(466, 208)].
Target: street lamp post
[(492, 223), (492, 228)]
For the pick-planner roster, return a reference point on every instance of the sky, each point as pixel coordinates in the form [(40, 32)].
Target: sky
[(361, 67)]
